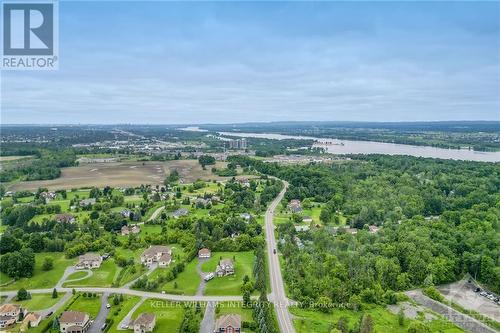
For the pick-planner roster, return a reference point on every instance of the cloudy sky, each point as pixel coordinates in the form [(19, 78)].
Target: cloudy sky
[(171, 62)]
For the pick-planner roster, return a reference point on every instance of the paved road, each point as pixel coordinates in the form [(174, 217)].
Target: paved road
[(101, 316), (156, 213), (125, 291), (208, 323), (278, 295)]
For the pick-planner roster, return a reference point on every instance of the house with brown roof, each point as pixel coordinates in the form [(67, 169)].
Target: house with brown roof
[(225, 267), (88, 261), (32, 319), (74, 322), (144, 323), (164, 260), (64, 218), (9, 314), (135, 229), (230, 323), (157, 253), (204, 253)]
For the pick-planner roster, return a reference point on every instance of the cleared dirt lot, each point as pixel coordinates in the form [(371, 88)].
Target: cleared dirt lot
[(121, 174), (463, 294)]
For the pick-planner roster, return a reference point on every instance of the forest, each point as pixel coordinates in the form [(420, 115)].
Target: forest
[(438, 220)]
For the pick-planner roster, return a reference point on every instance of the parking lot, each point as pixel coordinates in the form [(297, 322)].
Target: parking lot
[(464, 294)]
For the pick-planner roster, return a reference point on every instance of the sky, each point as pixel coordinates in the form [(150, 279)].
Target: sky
[(223, 62)]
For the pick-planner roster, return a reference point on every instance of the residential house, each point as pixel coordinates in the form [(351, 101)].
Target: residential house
[(144, 323), (307, 219), (64, 218), (225, 267), (32, 319), (88, 261), (230, 323), (246, 216), (48, 196), (202, 203), (126, 213), (155, 253), (352, 231), (373, 229), (204, 253), (244, 182), (164, 260), (135, 229), (294, 206), (74, 322), (87, 202), (299, 228), (180, 212), (9, 314)]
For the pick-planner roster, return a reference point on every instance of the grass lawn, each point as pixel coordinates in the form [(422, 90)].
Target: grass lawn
[(102, 277), (187, 281), (127, 274), (168, 315), (41, 327), (77, 275), (39, 301), (121, 310), (90, 305), (229, 285), (384, 321), (42, 279)]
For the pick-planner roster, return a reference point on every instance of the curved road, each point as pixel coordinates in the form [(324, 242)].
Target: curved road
[(278, 295)]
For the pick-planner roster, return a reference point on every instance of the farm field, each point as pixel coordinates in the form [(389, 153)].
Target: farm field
[(168, 315), (121, 174), (229, 285), (384, 321), (124, 174), (40, 279)]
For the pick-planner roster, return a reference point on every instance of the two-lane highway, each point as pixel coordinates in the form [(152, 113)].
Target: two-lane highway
[(278, 296)]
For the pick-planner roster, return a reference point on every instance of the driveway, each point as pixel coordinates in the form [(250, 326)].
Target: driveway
[(203, 283), (126, 320), (70, 270), (62, 300), (101, 317), (151, 268), (208, 322)]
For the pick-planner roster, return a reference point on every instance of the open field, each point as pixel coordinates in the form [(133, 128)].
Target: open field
[(40, 279), (39, 302), (191, 170), (231, 284), (124, 174), (306, 321), (121, 174), (169, 315), (13, 158), (186, 282), (90, 305)]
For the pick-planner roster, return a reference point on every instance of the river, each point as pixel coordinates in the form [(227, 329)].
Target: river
[(335, 146)]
